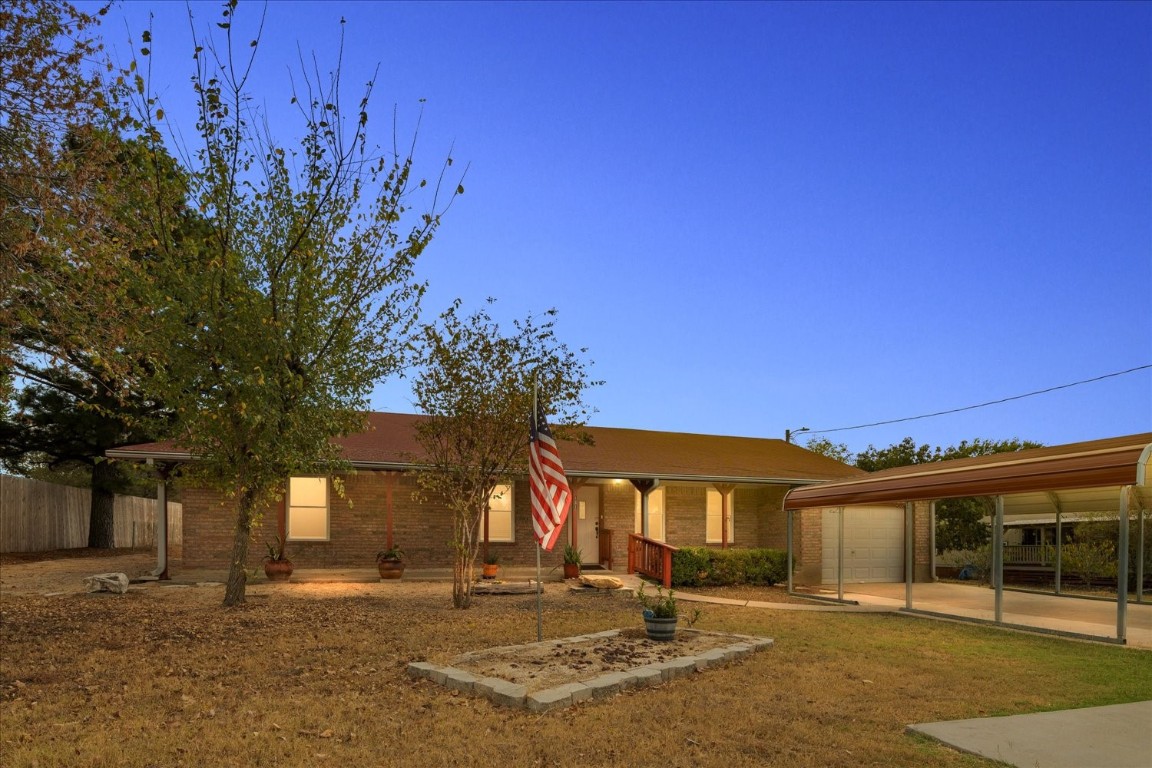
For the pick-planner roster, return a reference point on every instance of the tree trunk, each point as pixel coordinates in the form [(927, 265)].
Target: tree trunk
[(101, 515), (465, 548), (237, 566)]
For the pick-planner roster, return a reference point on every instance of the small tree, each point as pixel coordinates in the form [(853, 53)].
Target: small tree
[(299, 295), (475, 385)]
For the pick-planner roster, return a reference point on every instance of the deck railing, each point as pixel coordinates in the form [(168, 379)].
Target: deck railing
[(651, 558), (1029, 554)]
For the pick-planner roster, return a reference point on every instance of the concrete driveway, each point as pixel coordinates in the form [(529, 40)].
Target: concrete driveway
[(1066, 614)]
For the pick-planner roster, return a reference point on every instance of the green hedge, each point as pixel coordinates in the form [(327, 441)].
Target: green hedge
[(702, 566)]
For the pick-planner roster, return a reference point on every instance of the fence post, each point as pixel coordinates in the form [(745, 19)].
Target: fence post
[(667, 568)]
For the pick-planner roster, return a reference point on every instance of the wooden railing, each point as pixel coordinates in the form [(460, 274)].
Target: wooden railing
[(651, 558), (1029, 554)]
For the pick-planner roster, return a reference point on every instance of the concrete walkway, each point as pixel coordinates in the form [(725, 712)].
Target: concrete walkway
[(1096, 618), (1118, 736)]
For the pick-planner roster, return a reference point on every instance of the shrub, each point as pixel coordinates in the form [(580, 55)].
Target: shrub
[(1090, 560), (690, 566), (697, 566), (980, 561)]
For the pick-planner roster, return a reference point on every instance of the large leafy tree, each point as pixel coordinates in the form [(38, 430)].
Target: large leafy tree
[(72, 193), (475, 383), (300, 295), (63, 242), (960, 521)]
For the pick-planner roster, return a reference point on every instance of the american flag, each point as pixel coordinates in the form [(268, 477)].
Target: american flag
[(551, 496)]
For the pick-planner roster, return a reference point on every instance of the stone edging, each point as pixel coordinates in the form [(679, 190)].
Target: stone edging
[(514, 695)]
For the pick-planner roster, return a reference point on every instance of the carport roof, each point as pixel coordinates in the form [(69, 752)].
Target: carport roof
[(1106, 465)]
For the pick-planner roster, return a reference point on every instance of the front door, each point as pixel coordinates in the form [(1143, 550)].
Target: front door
[(587, 513)]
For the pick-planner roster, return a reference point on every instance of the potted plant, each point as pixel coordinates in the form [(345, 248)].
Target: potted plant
[(572, 562), (390, 563), (491, 565), (277, 566), (660, 614)]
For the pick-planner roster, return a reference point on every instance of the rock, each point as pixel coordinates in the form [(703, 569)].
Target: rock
[(117, 583), (602, 582)]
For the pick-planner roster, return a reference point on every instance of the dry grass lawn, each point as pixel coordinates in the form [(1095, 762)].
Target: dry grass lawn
[(313, 675)]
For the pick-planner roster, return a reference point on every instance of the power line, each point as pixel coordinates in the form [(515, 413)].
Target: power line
[(982, 405)]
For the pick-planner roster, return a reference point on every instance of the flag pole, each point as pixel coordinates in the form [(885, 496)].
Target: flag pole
[(539, 544)]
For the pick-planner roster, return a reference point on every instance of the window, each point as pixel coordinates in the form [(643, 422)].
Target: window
[(307, 509), (714, 534), (655, 514), (501, 526)]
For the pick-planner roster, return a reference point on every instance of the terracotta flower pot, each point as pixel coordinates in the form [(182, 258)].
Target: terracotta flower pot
[(571, 570), (278, 570), (490, 570), (390, 569)]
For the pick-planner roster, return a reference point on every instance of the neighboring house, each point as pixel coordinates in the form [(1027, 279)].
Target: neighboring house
[(701, 490)]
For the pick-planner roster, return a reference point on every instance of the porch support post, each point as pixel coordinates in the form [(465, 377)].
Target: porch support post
[(788, 535), (840, 553), (1059, 547), (162, 472), (645, 485), (909, 550), (1122, 567), (724, 489), (998, 558), (1055, 499), (161, 570)]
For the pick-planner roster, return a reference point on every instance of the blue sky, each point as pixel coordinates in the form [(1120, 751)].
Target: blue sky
[(778, 215)]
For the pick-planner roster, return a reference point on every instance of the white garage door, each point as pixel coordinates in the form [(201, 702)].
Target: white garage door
[(873, 544)]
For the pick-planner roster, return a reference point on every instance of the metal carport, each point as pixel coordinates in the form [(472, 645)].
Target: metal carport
[(1110, 476)]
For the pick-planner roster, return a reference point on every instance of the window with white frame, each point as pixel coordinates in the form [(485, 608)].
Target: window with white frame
[(306, 510), (501, 524), (655, 514), (715, 533)]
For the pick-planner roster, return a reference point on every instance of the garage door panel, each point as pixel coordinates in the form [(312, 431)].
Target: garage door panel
[(873, 544)]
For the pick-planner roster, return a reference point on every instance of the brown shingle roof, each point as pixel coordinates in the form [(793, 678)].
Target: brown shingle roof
[(616, 453)]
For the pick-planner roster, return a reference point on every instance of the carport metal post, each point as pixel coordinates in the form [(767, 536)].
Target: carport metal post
[(909, 535), (840, 556), (1122, 567), (1140, 561), (998, 558)]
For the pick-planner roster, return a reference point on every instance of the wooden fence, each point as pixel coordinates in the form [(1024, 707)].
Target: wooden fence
[(36, 517)]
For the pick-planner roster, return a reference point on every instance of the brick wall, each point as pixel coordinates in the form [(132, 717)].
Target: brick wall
[(760, 520), (807, 529), (618, 509), (684, 514), (424, 529), (922, 546), (357, 528)]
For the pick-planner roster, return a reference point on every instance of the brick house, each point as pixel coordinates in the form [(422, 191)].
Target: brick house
[(700, 490)]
